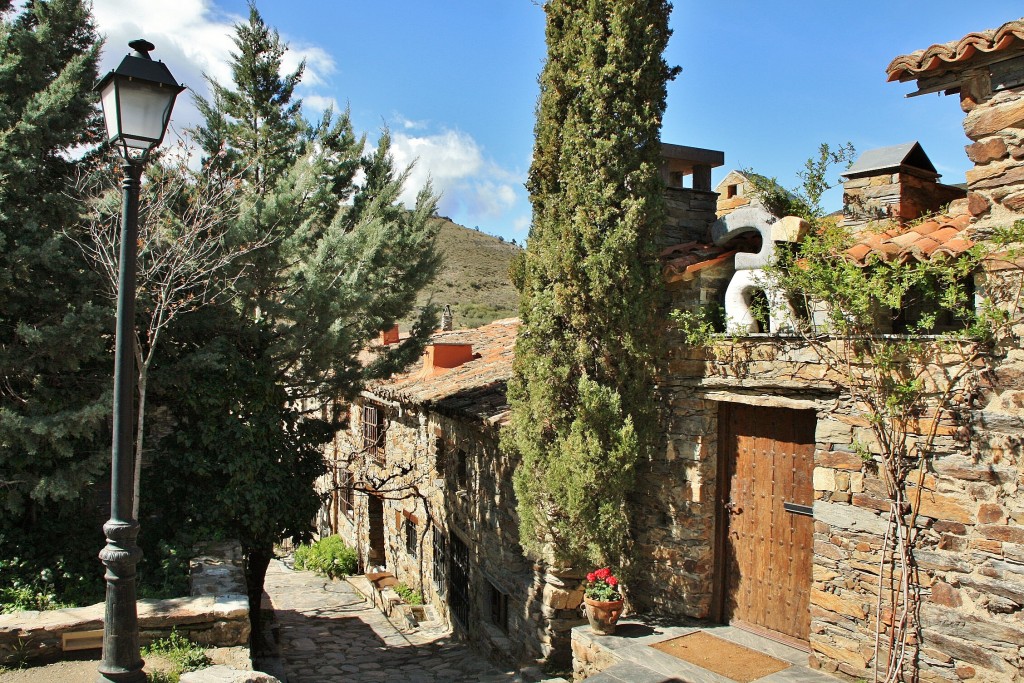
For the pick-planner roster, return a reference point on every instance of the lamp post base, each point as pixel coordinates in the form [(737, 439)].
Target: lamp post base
[(121, 662)]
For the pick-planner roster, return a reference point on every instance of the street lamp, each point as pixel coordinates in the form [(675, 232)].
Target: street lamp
[(137, 99)]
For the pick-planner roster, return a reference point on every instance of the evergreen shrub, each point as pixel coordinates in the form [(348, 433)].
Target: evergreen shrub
[(329, 556)]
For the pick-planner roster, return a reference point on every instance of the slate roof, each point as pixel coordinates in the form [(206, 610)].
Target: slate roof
[(884, 158), (684, 261), (474, 389), (944, 55), (938, 235)]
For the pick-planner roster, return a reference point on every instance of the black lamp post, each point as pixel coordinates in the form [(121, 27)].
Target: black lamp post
[(137, 99)]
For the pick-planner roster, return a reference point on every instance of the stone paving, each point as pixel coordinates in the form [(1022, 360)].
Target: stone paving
[(327, 631)]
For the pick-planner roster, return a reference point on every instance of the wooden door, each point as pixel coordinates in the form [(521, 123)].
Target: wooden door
[(768, 458), (375, 519)]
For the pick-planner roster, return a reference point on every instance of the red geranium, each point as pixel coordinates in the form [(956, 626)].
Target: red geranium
[(602, 585)]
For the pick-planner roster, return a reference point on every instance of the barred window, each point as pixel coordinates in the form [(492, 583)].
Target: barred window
[(373, 433), (347, 489), (440, 562)]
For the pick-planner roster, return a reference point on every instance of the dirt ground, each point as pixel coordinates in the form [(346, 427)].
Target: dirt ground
[(73, 671)]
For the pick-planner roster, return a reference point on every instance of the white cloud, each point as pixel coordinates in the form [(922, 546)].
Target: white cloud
[(194, 37), (473, 189)]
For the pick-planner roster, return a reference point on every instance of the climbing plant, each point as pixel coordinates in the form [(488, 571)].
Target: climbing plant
[(908, 388), (581, 395)]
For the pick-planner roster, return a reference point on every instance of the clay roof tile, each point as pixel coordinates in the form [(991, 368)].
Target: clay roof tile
[(942, 55)]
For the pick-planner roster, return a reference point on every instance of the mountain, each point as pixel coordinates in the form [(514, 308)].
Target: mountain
[(474, 278)]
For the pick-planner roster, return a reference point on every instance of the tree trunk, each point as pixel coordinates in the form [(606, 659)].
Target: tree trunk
[(257, 559)]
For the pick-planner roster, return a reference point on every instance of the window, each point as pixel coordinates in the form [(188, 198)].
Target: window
[(439, 456), (458, 581), (499, 608), (462, 469), (347, 491), (440, 562), (411, 537), (373, 433), (732, 191)]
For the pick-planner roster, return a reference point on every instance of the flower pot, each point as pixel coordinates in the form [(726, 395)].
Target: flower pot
[(603, 615)]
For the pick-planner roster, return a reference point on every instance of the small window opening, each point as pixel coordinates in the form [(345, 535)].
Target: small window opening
[(732, 191), (499, 608), (462, 469), (411, 537)]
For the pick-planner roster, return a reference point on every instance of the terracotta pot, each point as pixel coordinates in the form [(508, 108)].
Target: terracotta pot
[(603, 615)]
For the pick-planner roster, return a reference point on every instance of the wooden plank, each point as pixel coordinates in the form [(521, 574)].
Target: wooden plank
[(82, 640)]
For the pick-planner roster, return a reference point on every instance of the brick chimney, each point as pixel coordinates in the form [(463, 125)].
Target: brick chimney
[(389, 336)]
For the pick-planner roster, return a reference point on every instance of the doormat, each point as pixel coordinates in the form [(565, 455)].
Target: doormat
[(725, 658)]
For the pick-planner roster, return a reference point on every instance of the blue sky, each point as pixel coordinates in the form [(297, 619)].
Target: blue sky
[(456, 80)]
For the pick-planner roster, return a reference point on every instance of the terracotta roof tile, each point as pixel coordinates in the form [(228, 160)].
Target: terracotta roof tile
[(475, 388), (684, 261), (942, 55), (941, 235)]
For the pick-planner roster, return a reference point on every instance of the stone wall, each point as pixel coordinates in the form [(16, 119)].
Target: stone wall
[(424, 482), (216, 614), (690, 215), (995, 124), (970, 551)]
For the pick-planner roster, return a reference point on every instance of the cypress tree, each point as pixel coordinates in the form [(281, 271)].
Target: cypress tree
[(583, 413)]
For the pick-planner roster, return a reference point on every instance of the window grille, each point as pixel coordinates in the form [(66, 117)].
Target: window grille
[(373, 433), (348, 482), (440, 562), (458, 581)]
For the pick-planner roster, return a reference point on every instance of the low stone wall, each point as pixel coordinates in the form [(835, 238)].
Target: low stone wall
[(215, 615)]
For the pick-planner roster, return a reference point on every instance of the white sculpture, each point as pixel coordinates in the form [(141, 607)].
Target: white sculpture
[(749, 277)]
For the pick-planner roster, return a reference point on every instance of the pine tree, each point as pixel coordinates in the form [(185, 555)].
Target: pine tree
[(344, 261), (582, 393), (54, 372)]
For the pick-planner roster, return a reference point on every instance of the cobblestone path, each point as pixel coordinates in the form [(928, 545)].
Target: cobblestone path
[(326, 631)]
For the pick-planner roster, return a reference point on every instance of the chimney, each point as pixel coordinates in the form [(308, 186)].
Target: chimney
[(446, 319), (897, 183), (389, 336), (440, 357)]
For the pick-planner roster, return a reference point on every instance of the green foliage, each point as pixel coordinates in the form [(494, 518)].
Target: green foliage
[(804, 201), (581, 394), (699, 327), (329, 556), (54, 400), (241, 382), (183, 654), (409, 596)]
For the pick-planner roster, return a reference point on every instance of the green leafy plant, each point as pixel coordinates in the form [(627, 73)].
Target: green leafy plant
[(330, 556), (602, 585), (409, 595), (700, 327), (183, 654)]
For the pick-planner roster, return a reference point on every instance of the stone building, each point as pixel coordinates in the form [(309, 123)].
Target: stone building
[(765, 506), (425, 494)]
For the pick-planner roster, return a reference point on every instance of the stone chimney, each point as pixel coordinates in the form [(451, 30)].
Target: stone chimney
[(897, 183), (691, 210), (446, 319)]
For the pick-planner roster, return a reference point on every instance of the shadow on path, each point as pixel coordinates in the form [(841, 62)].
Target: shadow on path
[(326, 631)]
